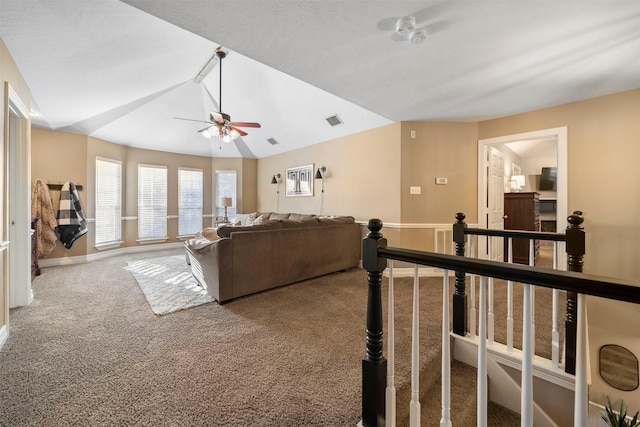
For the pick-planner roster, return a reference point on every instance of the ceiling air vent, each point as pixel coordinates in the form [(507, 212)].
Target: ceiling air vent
[(334, 120), (272, 141)]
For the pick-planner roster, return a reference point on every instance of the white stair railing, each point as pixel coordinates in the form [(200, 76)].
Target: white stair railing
[(390, 392), (414, 406), (445, 421)]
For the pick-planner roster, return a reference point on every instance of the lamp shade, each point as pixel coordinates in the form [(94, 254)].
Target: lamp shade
[(320, 172), (225, 202)]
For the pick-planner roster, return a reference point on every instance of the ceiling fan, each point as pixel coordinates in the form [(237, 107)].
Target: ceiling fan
[(219, 123)]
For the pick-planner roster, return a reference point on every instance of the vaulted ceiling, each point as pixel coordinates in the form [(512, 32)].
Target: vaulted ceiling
[(122, 71)]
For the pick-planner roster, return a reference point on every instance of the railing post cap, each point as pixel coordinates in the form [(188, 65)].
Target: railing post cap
[(460, 216), (575, 219), (374, 225)]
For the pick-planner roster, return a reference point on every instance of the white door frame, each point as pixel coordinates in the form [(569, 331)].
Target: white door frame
[(17, 199), (560, 134)]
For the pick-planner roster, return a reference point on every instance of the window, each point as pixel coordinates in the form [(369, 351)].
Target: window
[(108, 201), (226, 187), (152, 202), (189, 201)]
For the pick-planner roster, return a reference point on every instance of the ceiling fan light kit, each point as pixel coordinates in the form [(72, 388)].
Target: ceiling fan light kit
[(406, 28), (405, 25), (219, 123)]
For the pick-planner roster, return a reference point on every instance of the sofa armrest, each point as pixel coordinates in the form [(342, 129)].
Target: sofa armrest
[(212, 266)]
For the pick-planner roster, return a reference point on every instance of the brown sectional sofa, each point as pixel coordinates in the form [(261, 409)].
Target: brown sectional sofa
[(271, 250)]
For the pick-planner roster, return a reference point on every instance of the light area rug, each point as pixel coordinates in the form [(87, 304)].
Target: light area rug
[(167, 284)]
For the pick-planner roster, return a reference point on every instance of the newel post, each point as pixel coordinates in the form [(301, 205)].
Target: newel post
[(374, 365), (459, 296), (575, 254)]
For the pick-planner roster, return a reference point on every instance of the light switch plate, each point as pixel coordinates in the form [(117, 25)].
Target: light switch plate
[(441, 181), (415, 190)]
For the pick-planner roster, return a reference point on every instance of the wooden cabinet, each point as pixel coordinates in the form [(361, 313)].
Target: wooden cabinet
[(522, 212)]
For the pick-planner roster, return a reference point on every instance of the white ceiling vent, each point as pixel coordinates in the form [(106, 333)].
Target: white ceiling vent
[(272, 141), (334, 120)]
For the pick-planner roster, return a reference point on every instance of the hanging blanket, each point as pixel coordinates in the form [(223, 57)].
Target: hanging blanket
[(42, 209), (71, 220)]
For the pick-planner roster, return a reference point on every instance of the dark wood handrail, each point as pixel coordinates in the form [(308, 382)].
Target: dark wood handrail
[(588, 284)]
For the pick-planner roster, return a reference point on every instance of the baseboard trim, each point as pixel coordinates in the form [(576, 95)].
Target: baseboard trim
[(83, 259)]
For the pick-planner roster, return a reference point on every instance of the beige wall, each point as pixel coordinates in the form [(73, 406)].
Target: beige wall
[(59, 156), (10, 73), (603, 176), (362, 176), (439, 149)]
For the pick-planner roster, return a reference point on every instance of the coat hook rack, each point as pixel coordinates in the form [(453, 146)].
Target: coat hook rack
[(58, 187)]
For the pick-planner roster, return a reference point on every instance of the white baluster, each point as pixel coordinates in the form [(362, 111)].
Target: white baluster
[(581, 396), (490, 320), (510, 299), (526, 394), (390, 402), (472, 295), (482, 358), (555, 333), (445, 421), (414, 408), (533, 300)]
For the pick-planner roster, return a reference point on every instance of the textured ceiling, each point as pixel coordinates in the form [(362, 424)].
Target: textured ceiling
[(122, 70)]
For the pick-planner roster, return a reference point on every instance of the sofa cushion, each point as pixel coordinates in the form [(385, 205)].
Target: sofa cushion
[(297, 216), (295, 223), (333, 220), (279, 216), (257, 217), (209, 233), (226, 230)]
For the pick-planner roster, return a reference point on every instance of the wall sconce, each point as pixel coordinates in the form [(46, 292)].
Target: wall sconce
[(276, 180), (226, 202), (321, 173), (517, 182)]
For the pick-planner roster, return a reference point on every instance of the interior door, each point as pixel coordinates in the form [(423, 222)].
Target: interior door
[(495, 201)]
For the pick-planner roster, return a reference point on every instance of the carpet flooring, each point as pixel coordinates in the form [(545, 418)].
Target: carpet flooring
[(168, 284), (89, 352)]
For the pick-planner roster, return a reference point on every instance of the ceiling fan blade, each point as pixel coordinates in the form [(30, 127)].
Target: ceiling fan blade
[(194, 120), (220, 117), (246, 124), (240, 131), (203, 129)]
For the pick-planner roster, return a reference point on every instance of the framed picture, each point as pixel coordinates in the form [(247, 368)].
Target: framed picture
[(299, 181)]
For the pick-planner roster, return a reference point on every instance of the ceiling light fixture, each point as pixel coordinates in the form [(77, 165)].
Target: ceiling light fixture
[(405, 25), (418, 36), (406, 28)]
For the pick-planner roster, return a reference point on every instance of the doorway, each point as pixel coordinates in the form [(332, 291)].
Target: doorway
[(487, 192)]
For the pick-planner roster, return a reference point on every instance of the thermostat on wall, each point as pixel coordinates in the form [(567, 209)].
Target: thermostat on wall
[(441, 181)]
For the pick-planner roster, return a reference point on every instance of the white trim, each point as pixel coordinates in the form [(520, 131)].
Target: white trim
[(208, 215), (83, 259), (129, 218), (4, 334), (152, 240), (424, 225), (108, 245), (172, 216), (90, 220), (4, 245)]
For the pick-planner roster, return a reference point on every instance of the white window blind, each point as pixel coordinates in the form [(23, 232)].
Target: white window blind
[(152, 202), (189, 201), (108, 201), (226, 187)]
